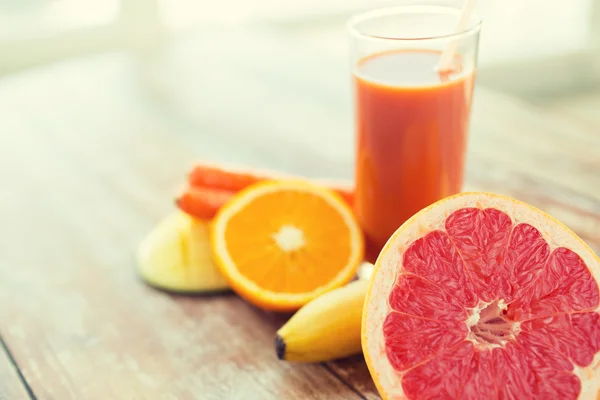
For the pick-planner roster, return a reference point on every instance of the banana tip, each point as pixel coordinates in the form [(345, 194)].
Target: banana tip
[(279, 347)]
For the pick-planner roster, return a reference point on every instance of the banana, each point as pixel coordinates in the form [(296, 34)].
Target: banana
[(327, 328), (176, 256)]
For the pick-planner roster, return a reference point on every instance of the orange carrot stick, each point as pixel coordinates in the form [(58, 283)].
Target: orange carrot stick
[(211, 186), (203, 202), (213, 176), (235, 179)]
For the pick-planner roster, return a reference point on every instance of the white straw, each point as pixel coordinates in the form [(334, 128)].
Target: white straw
[(448, 53)]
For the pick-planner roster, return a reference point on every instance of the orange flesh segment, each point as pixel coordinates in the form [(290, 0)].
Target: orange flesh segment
[(325, 248)]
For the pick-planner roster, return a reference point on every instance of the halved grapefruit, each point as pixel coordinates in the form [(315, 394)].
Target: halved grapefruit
[(483, 297)]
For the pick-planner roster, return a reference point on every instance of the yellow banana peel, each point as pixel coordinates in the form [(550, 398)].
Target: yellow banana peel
[(327, 328)]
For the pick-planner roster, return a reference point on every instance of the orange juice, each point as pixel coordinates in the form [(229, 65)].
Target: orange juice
[(412, 128)]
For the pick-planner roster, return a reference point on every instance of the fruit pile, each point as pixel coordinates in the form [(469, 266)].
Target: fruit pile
[(280, 242), (477, 296)]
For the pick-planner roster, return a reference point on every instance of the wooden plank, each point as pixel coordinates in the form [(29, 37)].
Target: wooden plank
[(577, 108), (81, 198), (11, 386), (512, 134), (355, 373)]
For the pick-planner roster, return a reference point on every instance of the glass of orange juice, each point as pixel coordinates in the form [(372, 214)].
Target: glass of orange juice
[(411, 118)]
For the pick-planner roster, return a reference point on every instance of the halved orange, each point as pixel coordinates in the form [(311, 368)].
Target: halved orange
[(480, 296), (280, 244)]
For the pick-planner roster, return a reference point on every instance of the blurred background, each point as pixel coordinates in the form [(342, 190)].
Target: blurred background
[(518, 34), (162, 53)]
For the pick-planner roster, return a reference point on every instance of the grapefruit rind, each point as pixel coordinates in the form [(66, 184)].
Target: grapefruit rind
[(282, 301), (387, 380)]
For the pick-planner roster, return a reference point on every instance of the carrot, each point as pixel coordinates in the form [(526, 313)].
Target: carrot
[(235, 179), (203, 202), (211, 186), (213, 176)]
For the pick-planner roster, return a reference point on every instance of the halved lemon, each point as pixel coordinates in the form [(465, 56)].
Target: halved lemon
[(280, 244)]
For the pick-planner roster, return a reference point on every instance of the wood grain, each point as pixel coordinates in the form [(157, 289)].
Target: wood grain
[(85, 326), (574, 108), (354, 372), (97, 148), (11, 386)]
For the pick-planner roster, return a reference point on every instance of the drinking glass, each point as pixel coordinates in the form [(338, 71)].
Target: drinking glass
[(411, 116)]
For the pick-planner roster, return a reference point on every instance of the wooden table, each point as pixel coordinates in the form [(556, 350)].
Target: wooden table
[(92, 152)]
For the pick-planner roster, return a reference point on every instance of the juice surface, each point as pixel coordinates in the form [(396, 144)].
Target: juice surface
[(412, 128)]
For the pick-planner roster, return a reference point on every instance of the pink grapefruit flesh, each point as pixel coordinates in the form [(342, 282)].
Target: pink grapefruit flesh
[(483, 297)]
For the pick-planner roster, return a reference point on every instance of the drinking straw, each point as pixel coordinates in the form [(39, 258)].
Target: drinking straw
[(447, 56)]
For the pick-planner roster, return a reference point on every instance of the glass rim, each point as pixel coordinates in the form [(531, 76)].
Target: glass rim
[(351, 24)]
